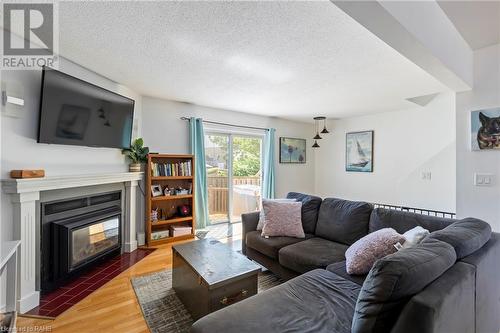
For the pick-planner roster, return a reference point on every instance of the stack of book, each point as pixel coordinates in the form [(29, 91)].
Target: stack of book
[(171, 169)]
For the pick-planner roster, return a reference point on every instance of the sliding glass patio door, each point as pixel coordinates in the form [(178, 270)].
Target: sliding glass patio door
[(234, 175)]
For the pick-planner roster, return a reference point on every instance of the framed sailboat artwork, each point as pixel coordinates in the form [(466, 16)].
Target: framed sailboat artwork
[(359, 151)]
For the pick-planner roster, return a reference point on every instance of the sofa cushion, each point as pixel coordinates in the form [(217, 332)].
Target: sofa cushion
[(361, 255), (466, 236), (343, 221), (339, 268), (310, 208), (318, 301), (404, 221), (311, 254), (270, 246), (395, 278)]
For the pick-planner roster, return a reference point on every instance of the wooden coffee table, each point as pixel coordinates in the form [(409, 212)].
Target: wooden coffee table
[(208, 275)]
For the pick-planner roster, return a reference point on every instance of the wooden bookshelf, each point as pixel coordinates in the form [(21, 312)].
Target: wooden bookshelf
[(167, 205)]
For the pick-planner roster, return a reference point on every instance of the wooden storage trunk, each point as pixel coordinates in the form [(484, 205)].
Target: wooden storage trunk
[(207, 283)]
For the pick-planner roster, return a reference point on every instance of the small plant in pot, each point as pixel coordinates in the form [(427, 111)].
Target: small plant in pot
[(137, 154)]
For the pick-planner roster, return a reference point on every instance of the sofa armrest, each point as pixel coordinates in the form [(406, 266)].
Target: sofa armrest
[(445, 305), (249, 223)]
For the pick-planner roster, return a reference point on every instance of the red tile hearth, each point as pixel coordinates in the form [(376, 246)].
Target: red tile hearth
[(56, 302)]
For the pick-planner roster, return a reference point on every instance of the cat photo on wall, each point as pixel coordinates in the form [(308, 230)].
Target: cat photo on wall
[(485, 129)]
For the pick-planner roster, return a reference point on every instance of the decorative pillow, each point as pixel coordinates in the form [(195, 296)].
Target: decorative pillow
[(262, 217), (283, 219), (414, 236), (361, 255), (394, 279)]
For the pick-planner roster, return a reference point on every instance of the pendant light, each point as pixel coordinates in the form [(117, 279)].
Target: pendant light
[(324, 131), (317, 136)]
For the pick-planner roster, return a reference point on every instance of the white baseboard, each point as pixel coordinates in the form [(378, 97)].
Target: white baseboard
[(28, 302), (130, 247)]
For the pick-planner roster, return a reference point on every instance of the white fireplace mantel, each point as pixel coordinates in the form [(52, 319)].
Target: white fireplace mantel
[(24, 195), (25, 185)]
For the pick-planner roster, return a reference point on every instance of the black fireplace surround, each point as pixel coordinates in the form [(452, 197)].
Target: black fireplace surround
[(76, 234)]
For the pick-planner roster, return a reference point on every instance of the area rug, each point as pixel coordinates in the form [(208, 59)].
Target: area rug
[(163, 311)]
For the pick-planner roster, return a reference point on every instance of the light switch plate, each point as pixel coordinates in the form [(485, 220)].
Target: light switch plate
[(426, 175), (483, 179)]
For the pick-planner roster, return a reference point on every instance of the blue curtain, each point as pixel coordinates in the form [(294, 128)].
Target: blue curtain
[(268, 175), (197, 145)]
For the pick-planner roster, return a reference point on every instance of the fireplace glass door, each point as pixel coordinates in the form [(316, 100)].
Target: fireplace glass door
[(94, 239)]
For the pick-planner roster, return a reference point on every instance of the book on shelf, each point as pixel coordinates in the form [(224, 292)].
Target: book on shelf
[(182, 169)]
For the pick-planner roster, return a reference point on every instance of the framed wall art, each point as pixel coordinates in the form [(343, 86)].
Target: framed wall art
[(359, 151)]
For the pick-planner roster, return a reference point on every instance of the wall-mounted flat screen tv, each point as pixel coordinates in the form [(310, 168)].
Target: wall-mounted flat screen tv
[(75, 112)]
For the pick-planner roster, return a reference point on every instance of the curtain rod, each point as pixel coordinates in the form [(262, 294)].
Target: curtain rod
[(226, 124)]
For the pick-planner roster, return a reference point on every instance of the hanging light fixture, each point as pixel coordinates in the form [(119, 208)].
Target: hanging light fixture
[(324, 131), (317, 136)]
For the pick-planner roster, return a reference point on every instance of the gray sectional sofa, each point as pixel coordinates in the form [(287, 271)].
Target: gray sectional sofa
[(450, 282)]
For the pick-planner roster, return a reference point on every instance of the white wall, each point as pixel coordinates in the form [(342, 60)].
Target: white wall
[(18, 136), (406, 143), (165, 132), (19, 149), (480, 202)]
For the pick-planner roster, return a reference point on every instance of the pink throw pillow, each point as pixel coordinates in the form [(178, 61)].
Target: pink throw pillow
[(262, 217), (361, 255), (283, 219)]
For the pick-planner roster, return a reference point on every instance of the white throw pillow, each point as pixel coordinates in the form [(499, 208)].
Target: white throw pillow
[(414, 236), (262, 217)]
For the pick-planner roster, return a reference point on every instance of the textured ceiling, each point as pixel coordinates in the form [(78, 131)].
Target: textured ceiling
[(477, 21), (287, 59)]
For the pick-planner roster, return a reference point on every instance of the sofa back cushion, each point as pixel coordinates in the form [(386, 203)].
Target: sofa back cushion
[(404, 221), (466, 236), (394, 279), (310, 208), (343, 221)]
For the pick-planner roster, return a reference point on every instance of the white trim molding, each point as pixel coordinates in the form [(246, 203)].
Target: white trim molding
[(25, 193)]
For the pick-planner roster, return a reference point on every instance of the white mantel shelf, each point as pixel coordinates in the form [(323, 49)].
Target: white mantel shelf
[(25, 194), (27, 185)]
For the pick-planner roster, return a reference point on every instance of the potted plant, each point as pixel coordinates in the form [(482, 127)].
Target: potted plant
[(137, 154)]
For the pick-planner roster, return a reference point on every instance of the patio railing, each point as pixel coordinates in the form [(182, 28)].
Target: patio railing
[(218, 191)]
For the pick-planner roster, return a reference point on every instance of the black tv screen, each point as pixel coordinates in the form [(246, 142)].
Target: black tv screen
[(75, 112)]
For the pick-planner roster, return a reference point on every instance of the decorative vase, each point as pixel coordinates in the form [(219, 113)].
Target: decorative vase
[(134, 167)]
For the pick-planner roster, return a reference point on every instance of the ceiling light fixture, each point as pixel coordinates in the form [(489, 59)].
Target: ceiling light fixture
[(318, 119), (317, 136), (324, 131)]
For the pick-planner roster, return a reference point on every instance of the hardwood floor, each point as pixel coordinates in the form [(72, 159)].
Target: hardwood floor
[(111, 308)]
